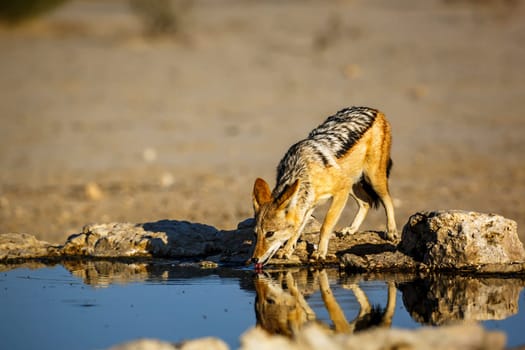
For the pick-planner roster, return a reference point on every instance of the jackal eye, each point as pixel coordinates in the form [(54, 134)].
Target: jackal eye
[(269, 234)]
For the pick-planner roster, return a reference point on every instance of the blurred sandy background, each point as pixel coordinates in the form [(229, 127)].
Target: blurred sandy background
[(100, 120)]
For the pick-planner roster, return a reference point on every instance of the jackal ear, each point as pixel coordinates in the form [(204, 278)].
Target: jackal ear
[(261, 194), (288, 195)]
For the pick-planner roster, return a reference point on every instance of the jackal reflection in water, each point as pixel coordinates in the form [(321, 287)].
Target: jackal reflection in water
[(281, 308)]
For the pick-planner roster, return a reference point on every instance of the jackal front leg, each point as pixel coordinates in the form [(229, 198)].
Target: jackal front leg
[(288, 249), (332, 216)]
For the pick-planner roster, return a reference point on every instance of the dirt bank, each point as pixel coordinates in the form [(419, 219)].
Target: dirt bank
[(99, 123)]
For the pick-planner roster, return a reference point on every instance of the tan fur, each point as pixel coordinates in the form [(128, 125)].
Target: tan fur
[(285, 217)]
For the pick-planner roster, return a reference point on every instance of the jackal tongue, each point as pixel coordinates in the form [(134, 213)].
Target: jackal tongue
[(258, 266)]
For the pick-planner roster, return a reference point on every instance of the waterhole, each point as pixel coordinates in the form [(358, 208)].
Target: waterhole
[(95, 305)]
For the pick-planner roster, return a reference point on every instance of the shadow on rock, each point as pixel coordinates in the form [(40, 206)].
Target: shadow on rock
[(368, 248), (182, 239)]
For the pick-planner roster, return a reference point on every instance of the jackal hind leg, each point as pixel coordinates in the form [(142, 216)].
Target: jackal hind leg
[(379, 182), (391, 233), (364, 202)]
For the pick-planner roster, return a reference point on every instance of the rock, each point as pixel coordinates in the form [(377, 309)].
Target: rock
[(162, 239), (313, 336), (167, 180), (235, 246), (247, 223), (382, 261), (369, 251), (23, 246), (153, 344), (149, 154), (352, 71), (463, 240), (173, 239), (93, 191), (145, 344), (208, 343), (258, 339)]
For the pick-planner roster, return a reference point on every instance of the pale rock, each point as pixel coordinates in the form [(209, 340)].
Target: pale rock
[(208, 343), (258, 339), (23, 246), (174, 239), (315, 337), (455, 337), (352, 71), (457, 239), (93, 191), (167, 180), (161, 239), (149, 154), (144, 344)]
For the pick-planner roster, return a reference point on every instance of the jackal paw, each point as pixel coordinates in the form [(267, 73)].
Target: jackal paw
[(282, 254), (318, 257), (350, 286), (392, 235), (346, 231)]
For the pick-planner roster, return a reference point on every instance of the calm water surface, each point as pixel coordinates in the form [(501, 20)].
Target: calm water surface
[(95, 305)]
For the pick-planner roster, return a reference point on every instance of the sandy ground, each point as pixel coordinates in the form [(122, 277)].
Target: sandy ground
[(100, 123)]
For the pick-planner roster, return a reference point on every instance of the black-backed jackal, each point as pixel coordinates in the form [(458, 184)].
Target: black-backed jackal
[(348, 154)]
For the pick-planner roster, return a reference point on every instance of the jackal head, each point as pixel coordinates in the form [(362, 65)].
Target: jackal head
[(276, 220)]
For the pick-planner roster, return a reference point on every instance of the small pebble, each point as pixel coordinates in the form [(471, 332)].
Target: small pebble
[(93, 191)]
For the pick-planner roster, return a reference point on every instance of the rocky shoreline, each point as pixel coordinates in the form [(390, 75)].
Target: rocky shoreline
[(431, 241)]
